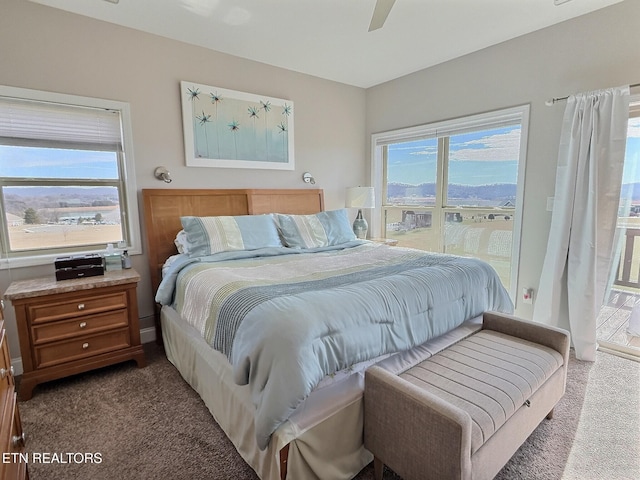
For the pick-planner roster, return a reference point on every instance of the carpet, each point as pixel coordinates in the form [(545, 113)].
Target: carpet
[(121, 422)]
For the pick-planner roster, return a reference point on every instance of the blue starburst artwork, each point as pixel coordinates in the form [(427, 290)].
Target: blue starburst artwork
[(232, 129)]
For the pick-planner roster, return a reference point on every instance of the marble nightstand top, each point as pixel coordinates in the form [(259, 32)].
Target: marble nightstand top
[(41, 286)]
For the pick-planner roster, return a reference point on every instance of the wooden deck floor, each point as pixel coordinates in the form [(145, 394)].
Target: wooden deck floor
[(615, 319)]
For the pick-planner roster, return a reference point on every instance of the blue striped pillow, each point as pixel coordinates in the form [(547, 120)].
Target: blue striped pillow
[(209, 235), (322, 229)]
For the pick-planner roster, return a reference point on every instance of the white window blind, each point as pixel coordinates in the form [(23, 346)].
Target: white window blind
[(25, 121)]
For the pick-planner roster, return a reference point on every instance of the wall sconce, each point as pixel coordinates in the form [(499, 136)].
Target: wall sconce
[(308, 178), (161, 173)]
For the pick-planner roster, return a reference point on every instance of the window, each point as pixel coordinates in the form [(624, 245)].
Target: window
[(66, 176), (455, 187)]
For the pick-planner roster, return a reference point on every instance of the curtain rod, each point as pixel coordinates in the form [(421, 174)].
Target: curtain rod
[(550, 102)]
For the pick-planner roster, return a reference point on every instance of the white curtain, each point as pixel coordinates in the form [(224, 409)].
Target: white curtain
[(588, 181)]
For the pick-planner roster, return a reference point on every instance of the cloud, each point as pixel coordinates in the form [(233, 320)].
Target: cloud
[(424, 150), (499, 147), (413, 163)]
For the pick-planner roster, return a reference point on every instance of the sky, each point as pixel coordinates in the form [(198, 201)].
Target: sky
[(480, 158), (57, 163), (476, 158), (632, 154)]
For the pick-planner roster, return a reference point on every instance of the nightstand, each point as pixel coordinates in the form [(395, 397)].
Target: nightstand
[(72, 326), (11, 434)]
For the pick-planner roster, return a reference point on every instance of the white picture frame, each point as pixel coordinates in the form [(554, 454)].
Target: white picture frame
[(231, 129)]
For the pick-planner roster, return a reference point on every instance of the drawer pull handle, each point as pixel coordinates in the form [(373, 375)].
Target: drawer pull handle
[(85, 346), (81, 306), (4, 372), (18, 440), (83, 324)]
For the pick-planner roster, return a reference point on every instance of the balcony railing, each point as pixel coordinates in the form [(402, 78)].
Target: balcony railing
[(629, 266)]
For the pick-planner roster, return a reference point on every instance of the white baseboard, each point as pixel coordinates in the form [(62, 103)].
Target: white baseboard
[(147, 335)]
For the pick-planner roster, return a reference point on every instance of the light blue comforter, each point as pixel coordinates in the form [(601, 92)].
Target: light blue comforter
[(287, 321)]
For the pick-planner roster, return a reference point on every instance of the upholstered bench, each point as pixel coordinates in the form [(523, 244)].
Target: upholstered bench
[(462, 413)]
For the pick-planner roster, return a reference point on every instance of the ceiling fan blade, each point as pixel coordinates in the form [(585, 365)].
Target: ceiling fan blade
[(380, 13)]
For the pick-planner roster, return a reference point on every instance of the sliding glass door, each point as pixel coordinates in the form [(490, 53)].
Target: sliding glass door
[(618, 325)]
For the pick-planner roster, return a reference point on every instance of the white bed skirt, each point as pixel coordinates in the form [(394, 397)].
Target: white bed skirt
[(325, 432)]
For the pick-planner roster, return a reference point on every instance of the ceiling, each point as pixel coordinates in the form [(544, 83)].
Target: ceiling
[(329, 38)]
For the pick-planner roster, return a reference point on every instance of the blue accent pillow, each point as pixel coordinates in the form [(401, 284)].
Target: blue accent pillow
[(209, 235), (322, 229)]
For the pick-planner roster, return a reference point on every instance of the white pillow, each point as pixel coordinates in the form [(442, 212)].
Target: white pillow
[(182, 242)]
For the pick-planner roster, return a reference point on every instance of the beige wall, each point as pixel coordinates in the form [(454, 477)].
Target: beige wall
[(594, 51), (47, 49)]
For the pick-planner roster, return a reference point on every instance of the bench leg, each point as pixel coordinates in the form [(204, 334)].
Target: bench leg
[(550, 415), (378, 468)]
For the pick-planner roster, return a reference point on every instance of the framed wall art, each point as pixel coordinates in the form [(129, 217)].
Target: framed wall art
[(231, 129)]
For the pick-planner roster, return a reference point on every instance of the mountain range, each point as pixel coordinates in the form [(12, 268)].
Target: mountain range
[(497, 191)]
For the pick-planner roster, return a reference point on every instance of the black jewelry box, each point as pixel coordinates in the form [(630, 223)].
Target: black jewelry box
[(78, 266), (78, 261)]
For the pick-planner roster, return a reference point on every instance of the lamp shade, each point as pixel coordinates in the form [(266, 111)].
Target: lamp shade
[(360, 197)]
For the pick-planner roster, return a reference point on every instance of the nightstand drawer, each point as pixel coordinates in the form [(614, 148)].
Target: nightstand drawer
[(86, 305), (61, 330), (67, 351)]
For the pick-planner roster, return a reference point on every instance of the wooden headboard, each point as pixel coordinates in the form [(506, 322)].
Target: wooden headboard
[(164, 207)]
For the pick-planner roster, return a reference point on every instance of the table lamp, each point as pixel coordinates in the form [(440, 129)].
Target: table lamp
[(360, 197)]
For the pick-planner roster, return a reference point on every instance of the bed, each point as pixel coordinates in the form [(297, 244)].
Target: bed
[(290, 397)]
